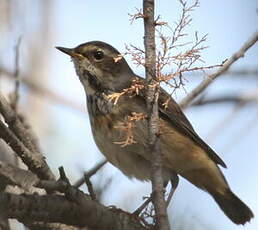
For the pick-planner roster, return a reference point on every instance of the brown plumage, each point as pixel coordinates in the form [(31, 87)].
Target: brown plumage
[(102, 72)]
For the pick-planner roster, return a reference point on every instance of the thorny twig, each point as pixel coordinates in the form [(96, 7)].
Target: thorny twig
[(137, 55), (184, 21), (128, 126), (171, 65), (170, 69), (137, 85), (158, 22), (137, 15)]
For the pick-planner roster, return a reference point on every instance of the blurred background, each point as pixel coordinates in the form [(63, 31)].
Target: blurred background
[(53, 100)]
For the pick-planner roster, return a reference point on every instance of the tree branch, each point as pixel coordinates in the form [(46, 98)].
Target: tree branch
[(34, 160), (235, 99), (15, 95), (14, 123), (90, 173), (58, 209), (200, 88), (69, 207), (16, 176), (152, 96)]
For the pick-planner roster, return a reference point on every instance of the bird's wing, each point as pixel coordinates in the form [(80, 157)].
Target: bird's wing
[(174, 114)]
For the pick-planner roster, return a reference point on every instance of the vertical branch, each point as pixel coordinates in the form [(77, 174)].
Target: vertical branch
[(152, 96)]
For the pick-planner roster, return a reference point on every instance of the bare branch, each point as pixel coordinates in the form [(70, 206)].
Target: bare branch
[(15, 176), (15, 95), (182, 23), (90, 173), (40, 208), (152, 96), (136, 15), (137, 55), (243, 72), (14, 123), (240, 53), (19, 181), (34, 160), (226, 121), (90, 188), (241, 133), (236, 99), (70, 208)]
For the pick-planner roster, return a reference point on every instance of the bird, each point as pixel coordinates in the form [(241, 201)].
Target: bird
[(105, 75)]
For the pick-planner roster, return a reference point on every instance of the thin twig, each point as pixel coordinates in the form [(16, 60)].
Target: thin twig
[(15, 95), (63, 176), (241, 134), (243, 72), (90, 187), (143, 206), (229, 118), (235, 99), (90, 173), (200, 88)]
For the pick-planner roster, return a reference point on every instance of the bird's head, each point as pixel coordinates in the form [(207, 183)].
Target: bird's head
[(100, 66)]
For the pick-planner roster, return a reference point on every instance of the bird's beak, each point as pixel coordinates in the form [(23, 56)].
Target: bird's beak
[(69, 52)]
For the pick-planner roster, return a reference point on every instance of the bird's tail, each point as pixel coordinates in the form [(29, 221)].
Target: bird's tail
[(233, 207)]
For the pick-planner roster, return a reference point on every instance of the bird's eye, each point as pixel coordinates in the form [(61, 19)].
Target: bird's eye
[(98, 55)]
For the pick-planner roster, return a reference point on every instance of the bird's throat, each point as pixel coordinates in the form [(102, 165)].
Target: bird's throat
[(91, 81)]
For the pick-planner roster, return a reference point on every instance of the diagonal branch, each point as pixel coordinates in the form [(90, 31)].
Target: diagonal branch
[(90, 173), (200, 88), (21, 142), (34, 160), (16, 176), (15, 124)]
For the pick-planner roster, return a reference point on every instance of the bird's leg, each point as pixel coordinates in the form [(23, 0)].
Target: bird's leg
[(174, 183), (143, 206), (150, 199)]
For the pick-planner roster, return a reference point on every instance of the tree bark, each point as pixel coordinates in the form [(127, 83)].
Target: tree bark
[(152, 96)]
